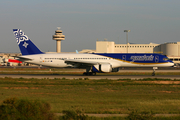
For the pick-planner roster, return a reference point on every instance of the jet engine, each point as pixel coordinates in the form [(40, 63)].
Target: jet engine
[(102, 68)]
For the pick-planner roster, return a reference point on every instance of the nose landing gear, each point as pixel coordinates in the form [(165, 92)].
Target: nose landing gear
[(154, 68)]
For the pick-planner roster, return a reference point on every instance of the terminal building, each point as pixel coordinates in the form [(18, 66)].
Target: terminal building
[(171, 49)]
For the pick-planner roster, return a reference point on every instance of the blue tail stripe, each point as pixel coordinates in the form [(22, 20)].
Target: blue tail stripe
[(26, 46)]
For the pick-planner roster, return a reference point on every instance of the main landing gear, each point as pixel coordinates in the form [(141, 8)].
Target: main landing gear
[(89, 73), (88, 69), (154, 68)]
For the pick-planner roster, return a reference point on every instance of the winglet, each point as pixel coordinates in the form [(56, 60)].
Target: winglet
[(26, 46), (77, 51)]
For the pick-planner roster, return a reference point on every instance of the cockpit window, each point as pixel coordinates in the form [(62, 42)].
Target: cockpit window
[(165, 59)]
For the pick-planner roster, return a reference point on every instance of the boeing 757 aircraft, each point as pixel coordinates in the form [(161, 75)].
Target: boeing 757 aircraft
[(93, 63)]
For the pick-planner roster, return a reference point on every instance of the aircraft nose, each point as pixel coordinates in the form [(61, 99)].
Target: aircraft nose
[(172, 64)]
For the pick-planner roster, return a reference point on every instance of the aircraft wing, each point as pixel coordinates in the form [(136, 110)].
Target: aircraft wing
[(81, 63)]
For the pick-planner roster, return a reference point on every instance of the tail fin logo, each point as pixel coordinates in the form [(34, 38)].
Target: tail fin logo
[(20, 37), (25, 44)]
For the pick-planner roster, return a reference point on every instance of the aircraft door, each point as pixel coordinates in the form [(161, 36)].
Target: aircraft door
[(40, 59), (156, 59), (124, 57)]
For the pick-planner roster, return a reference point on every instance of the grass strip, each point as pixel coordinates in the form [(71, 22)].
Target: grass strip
[(97, 96)]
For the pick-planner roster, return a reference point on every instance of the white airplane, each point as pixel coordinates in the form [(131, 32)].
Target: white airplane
[(95, 62)]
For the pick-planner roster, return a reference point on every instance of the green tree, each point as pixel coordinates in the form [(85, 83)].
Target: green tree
[(74, 115), (134, 115), (14, 109)]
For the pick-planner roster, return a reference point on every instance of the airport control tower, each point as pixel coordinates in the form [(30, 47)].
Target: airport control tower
[(58, 37)]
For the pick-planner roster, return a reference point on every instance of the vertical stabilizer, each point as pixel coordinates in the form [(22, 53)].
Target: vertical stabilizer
[(26, 46)]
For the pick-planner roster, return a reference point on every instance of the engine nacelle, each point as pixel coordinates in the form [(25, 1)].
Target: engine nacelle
[(102, 68)]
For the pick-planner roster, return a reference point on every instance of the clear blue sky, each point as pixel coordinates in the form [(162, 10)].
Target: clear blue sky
[(85, 21)]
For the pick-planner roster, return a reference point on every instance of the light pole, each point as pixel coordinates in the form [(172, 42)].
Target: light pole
[(127, 38)]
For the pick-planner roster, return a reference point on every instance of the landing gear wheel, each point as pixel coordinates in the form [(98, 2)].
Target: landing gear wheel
[(93, 73), (85, 73), (89, 73), (153, 74)]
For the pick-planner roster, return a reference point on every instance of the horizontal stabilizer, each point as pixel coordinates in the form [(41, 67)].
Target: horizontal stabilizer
[(22, 58)]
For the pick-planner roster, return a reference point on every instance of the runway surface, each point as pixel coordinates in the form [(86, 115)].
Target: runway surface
[(98, 76), (112, 77)]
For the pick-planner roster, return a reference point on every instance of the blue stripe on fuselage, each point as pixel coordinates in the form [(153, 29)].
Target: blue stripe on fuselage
[(137, 57)]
